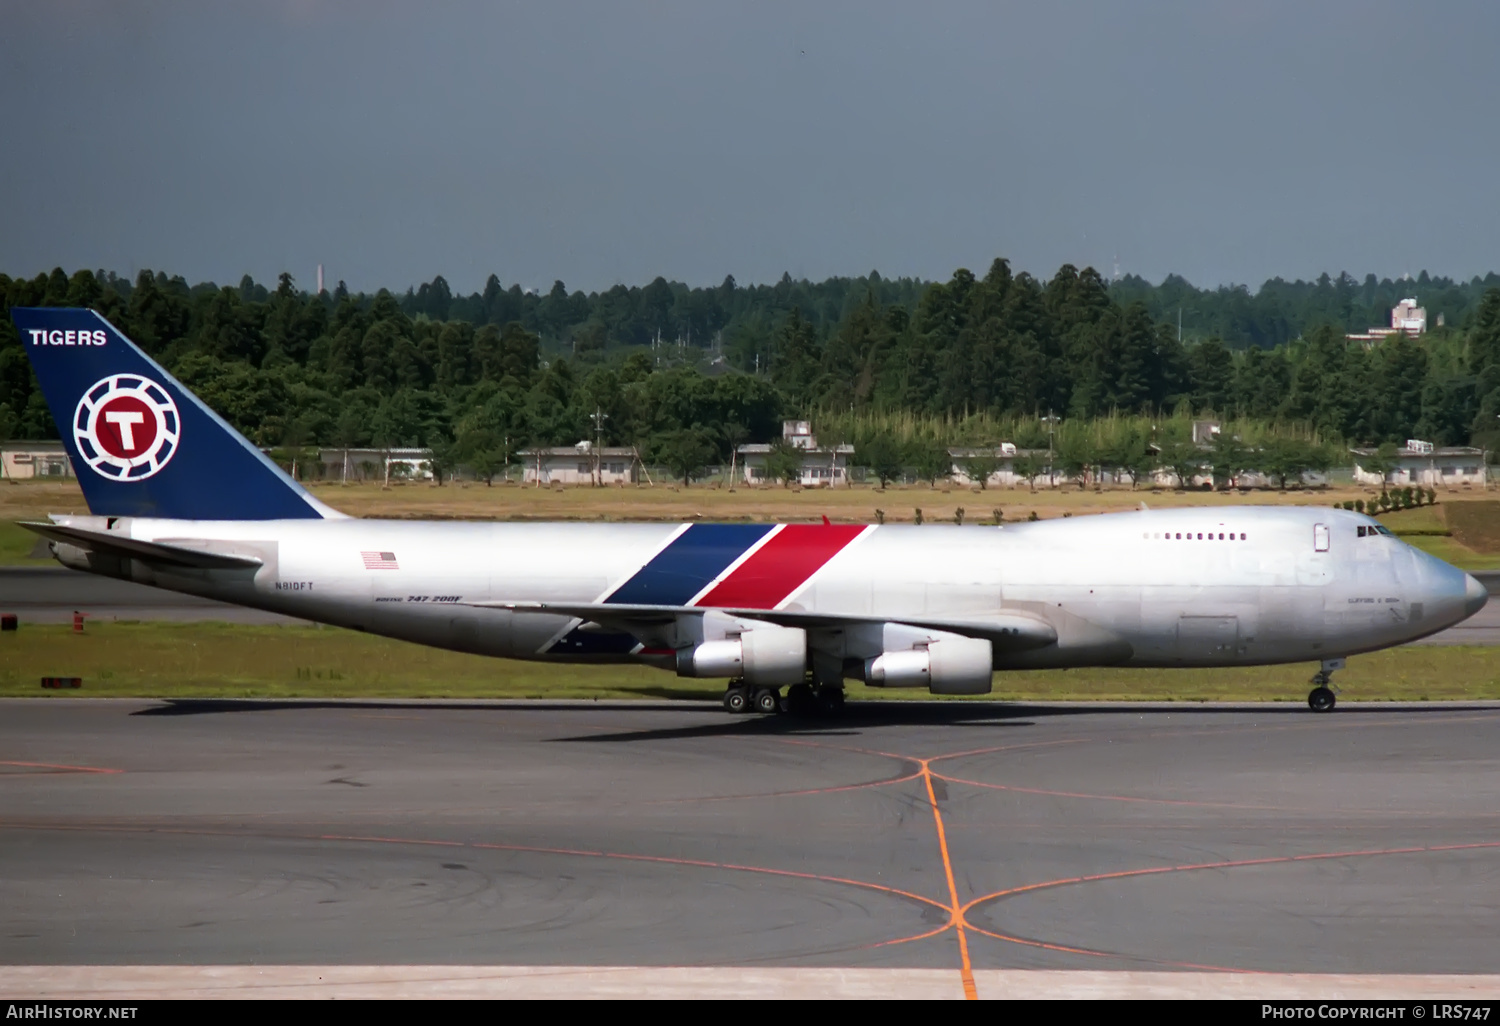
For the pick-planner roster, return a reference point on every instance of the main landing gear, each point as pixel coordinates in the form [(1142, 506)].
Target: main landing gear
[(801, 699), (1323, 696), (814, 700), (741, 698)]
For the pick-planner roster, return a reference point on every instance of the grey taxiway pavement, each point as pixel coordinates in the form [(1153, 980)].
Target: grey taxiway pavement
[(964, 837), (52, 594)]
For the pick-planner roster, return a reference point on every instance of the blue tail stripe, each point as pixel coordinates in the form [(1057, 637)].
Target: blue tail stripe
[(689, 564), (198, 468)]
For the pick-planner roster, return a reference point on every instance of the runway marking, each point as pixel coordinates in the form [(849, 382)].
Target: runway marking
[(660, 859), (956, 911), (967, 970), (1190, 867), (789, 794), (842, 748), (1106, 954), (1014, 747), (1113, 797), (488, 846), (58, 767)]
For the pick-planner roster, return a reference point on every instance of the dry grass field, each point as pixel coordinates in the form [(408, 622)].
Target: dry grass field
[(666, 501), (218, 660)]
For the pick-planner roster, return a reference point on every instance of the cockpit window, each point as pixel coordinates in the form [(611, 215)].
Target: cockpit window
[(1361, 530), (1386, 531)]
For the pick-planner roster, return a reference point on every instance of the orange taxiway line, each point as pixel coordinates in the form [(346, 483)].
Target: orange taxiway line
[(787, 794), (487, 846), (58, 766), (967, 969), (671, 861), (950, 924), (1227, 864), (1103, 954), (1011, 748), (1106, 797)]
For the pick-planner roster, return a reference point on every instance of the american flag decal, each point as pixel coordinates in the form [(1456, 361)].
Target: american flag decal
[(380, 560)]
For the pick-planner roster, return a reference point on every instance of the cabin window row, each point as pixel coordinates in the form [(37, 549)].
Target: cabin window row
[(1200, 536)]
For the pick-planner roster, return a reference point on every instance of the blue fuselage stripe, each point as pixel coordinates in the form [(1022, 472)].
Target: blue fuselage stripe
[(689, 564)]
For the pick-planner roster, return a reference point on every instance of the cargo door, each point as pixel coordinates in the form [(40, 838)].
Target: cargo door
[(1208, 638)]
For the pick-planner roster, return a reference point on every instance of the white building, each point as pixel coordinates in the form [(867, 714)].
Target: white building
[(580, 464), (820, 465), (1004, 475), (1428, 465), (1406, 317), (1409, 317), (376, 464), (21, 461)]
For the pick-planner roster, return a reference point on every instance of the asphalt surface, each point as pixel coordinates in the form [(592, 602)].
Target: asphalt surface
[(49, 594), (918, 835), (52, 594)]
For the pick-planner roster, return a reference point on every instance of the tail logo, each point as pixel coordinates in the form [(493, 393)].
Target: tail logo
[(126, 427)]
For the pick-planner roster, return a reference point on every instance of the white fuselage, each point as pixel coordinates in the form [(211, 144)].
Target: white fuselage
[(1182, 587)]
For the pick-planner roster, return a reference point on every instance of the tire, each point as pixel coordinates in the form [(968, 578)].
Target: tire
[(736, 700), (766, 701), (800, 700), (830, 700), (1321, 700)]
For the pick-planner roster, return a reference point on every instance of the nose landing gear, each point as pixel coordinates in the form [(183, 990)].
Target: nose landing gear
[(1323, 696)]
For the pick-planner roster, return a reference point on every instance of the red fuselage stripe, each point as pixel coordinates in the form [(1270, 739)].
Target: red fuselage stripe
[(780, 566)]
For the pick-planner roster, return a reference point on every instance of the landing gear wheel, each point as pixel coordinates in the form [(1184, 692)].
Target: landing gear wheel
[(830, 699), (800, 700), (766, 701), (1321, 700), (737, 700)]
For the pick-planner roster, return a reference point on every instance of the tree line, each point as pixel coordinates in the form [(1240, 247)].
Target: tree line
[(696, 371)]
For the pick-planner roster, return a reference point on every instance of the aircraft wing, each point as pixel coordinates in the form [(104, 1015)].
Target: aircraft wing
[(131, 548), (1007, 629)]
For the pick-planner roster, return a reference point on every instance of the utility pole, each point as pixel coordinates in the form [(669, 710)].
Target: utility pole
[(1051, 421), (599, 418)]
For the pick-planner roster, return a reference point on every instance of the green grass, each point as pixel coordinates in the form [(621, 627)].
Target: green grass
[(16, 546), (1451, 550), (1423, 520), (163, 660), (1476, 524)]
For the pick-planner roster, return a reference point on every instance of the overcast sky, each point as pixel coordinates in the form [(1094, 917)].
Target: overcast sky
[(611, 142)]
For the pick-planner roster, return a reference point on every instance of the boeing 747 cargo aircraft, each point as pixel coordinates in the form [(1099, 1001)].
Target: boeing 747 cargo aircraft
[(180, 500)]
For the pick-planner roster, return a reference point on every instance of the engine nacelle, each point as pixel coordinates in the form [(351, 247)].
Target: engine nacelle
[(769, 656), (951, 666)]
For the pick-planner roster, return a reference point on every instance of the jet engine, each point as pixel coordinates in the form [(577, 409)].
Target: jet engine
[(951, 665), (770, 656)]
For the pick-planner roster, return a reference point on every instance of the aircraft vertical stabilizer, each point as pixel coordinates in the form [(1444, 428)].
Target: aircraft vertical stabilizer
[(142, 445)]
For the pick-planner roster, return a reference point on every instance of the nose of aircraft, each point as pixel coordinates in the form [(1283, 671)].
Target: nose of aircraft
[(1475, 595)]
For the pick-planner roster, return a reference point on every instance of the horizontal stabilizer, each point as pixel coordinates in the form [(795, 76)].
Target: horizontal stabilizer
[(1012, 630), (131, 548)]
